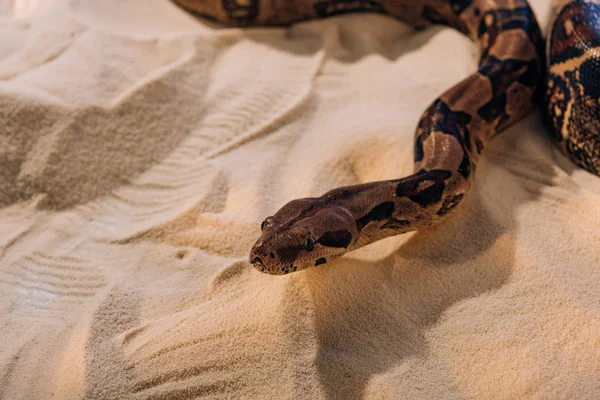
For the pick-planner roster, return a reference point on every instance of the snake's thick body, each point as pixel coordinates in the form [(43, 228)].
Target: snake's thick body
[(450, 135), (573, 86)]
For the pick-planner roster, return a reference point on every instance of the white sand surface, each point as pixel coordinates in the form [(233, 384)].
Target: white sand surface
[(140, 148)]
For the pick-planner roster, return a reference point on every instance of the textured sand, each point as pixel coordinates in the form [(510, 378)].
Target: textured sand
[(139, 150)]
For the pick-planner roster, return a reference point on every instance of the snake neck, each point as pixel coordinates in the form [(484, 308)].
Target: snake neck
[(388, 208)]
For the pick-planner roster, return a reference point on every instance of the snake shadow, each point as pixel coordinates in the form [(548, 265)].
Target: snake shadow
[(370, 316), (346, 38)]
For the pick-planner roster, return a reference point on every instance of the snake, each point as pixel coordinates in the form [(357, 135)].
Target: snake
[(572, 96), (514, 63)]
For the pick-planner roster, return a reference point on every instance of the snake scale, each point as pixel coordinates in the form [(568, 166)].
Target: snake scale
[(453, 130)]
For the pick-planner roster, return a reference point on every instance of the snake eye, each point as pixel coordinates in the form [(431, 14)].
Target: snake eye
[(267, 221), (310, 244), (264, 223)]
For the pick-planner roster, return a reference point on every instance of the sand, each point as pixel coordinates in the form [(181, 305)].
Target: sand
[(141, 148)]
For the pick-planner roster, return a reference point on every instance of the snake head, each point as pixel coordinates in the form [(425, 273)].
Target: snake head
[(303, 233)]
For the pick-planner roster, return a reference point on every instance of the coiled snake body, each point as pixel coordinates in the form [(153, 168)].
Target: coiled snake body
[(573, 86), (450, 135)]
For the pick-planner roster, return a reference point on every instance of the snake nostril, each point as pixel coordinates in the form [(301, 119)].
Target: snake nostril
[(257, 260), (272, 255)]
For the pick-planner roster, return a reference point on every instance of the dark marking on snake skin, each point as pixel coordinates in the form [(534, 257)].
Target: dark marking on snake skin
[(429, 13), (310, 210), (458, 6), (408, 187), (439, 117), (395, 224), (479, 145), (450, 204), (589, 78), (467, 140), (496, 21), (333, 7), (585, 19), (432, 14), (502, 74), (558, 95), (430, 195), (583, 141), (419, 153), (377, 213), (340, 238), (585, 154), (320, 261), (289, 268), (241, 14)]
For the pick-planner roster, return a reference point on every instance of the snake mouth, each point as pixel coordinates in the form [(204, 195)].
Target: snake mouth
[(258, 263)]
